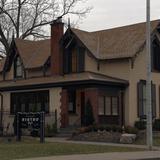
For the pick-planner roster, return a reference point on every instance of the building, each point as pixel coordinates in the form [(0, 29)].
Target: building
[(107, 67)]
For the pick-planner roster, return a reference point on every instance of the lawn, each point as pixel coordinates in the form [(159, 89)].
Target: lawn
[(142, 141), (28, 149)]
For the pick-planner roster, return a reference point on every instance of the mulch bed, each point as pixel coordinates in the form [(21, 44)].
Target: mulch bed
[(100, 136)]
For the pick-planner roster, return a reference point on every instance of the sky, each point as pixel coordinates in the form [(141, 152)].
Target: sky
[(113, 13)]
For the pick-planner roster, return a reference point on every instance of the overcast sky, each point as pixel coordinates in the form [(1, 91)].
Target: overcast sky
[(112, 13)]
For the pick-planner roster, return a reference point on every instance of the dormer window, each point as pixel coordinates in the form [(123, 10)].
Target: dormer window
[(18, 68), (74, 60)]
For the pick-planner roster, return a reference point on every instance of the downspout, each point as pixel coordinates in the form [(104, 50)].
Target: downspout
[(1, 114)]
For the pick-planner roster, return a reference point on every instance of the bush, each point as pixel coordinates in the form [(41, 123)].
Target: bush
[(95, 128), (141, 125), (156, 125), (131, 130), (88, 118), (35, 133), (116, 128), (50, 130)]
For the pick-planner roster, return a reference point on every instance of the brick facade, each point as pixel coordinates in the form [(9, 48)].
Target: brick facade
[(57, 30)]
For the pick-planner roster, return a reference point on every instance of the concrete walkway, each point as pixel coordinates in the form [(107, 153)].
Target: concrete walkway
[(65, 140), (148, 155)]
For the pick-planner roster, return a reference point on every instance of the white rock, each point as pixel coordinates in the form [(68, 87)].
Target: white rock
[(127, 138)]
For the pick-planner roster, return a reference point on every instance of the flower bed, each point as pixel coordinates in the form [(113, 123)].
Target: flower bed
[(99, 136)]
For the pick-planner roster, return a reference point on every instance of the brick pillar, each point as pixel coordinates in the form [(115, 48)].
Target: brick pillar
[(64, 109), (92, 95), (57, 29)]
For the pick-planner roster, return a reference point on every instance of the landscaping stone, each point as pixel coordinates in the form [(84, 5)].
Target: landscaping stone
[(128, 138)]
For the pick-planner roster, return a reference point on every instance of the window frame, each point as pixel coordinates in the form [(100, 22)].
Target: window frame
[(74, 60), (35, 96), (111, 106), (154, 56), (72, 99), (16, 66), (141, 99)]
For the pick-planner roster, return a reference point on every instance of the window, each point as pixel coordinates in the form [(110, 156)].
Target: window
[(114, 106), (18, 68), (30, 102), (142, 99), (73, 60), (101, 106), (155, 55), (108, 105), (72, 101)]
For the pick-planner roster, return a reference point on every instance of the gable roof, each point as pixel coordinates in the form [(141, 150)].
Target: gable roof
[(121, 42), (33, 53)]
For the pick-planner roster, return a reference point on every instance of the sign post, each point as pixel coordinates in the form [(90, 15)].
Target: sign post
[(42, 121), (18, 129), (31, 120)]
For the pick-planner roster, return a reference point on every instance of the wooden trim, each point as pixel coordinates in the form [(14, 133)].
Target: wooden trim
[(80, 84)]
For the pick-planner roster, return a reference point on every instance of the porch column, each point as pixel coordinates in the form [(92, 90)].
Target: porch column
[(64, 109)]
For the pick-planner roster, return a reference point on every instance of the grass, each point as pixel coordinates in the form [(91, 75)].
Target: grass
[(31, 148), (142, 141)]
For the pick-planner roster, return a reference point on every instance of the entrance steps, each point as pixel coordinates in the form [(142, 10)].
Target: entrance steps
[(66, 132)]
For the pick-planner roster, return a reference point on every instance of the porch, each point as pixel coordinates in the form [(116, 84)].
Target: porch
[(106, 101)]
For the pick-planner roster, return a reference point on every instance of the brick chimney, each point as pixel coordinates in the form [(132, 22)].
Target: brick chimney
[(57, 30)]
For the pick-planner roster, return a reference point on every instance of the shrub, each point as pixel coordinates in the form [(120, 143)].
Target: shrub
[(131, 130), (35, 133), (50, 130), (156, 125), (89, 118), (95, 128), (141, 125), (116, 128), (85, 129)]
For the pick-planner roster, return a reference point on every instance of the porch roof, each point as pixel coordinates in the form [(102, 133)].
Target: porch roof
[(61, 81)]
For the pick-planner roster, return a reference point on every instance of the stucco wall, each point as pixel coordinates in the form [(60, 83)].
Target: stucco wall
[(117, 68), (54, 102), (123, 69), (139, 72)]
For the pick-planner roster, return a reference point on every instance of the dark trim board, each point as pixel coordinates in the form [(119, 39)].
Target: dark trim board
[(84, 83)]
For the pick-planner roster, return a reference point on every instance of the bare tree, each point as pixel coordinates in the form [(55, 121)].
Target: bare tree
[(27, 18)]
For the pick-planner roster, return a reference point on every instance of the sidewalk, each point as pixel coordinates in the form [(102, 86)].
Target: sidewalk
[(148, 155), (64, 140), (142, 155)]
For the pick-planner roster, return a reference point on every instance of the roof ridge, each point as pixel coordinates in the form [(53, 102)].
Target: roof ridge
[(123, 26), (28, 40)]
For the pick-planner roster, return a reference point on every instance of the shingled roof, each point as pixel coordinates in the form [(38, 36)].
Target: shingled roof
[(33, 53), (122, 42), (2, 62)]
